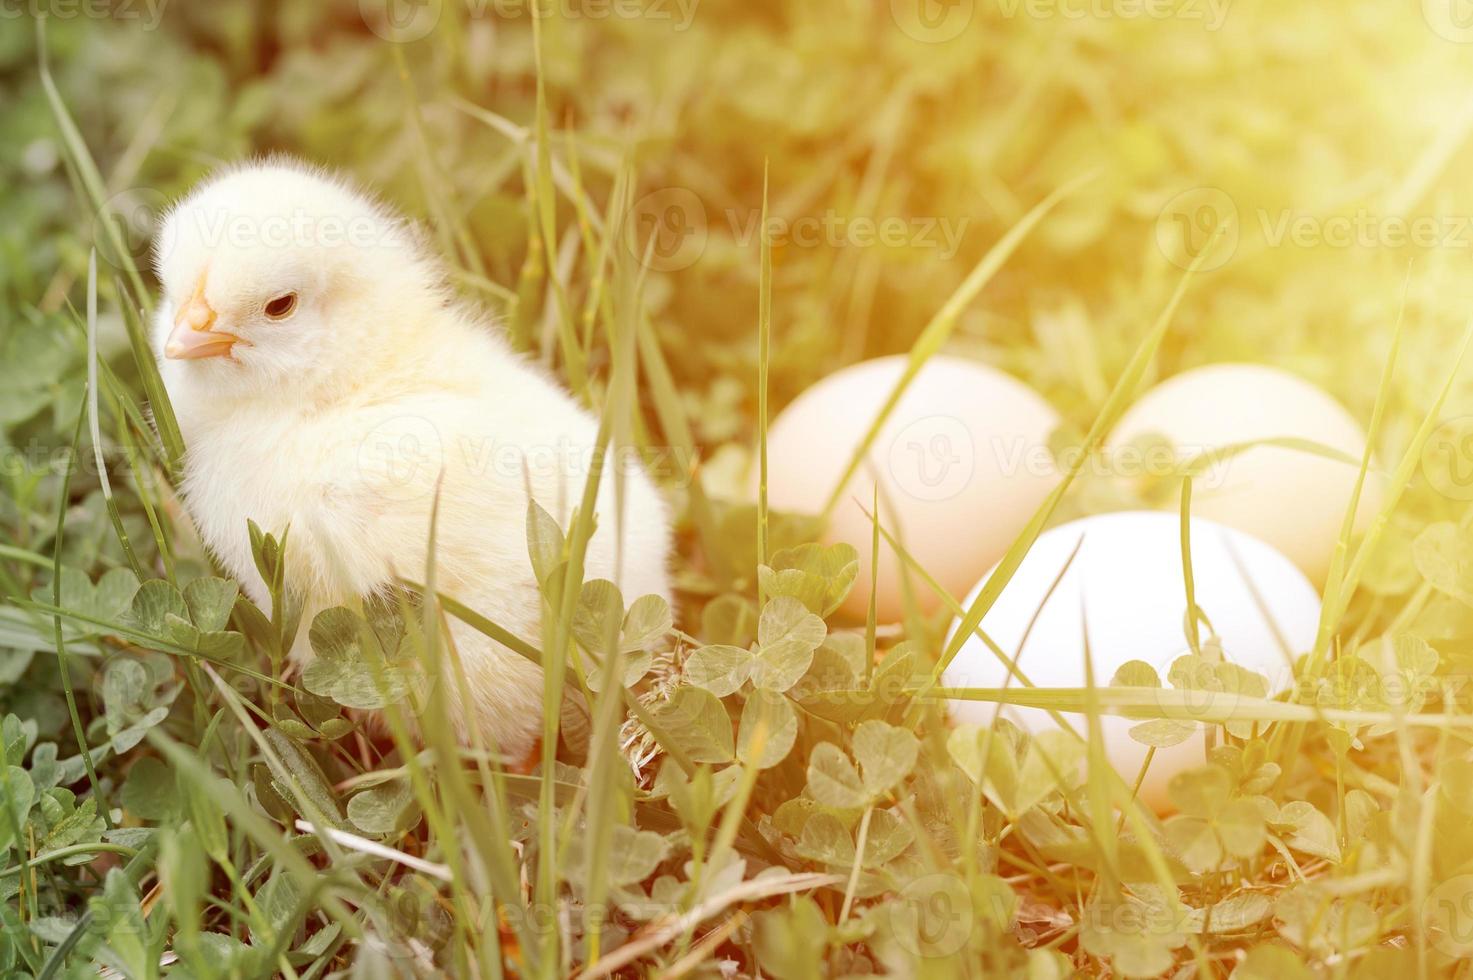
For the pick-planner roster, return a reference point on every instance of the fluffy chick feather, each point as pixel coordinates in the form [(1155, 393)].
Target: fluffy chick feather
[(339, 417)]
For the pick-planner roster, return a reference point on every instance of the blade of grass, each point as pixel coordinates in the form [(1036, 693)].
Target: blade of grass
[(1098, 770), (63, 665), (81, 162), (861, 840), (457, 238), (936, 332), (257, 828), (545, 204), (27, 557), (1194, 641), (1114, 405), (1337, 581), (871, 615), (659, 933), (562, 176), (146, 489), (554, 670), (137, 867), (162, 409), (604, 760), (595, 245), (1192, 705), (497, 818), (1334, 607), (764, 356), (94, 428), (674, 423), (145, 640), (81, 159), (512, 642)]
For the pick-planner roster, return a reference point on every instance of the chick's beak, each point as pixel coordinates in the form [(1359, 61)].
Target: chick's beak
[(192, 337)]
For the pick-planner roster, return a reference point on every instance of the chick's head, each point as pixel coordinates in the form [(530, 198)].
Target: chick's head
[(275, 274)]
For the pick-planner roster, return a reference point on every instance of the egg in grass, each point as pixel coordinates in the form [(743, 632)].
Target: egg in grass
[(1293, 493), (1120, 578), (961, 464)]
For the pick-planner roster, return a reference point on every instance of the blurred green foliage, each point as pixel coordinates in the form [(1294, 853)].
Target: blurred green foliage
[(1284, 110)]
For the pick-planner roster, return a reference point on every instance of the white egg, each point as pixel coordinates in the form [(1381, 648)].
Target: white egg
[(962, 463), (1126, 582), (1294, 500)]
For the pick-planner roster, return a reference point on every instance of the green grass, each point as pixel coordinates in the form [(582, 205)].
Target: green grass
[(748, 778)]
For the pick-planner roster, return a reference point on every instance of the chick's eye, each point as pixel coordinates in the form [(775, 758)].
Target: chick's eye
[(282, 306)]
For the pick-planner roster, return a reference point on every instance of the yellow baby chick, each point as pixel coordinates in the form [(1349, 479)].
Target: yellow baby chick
[(325, 379)]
